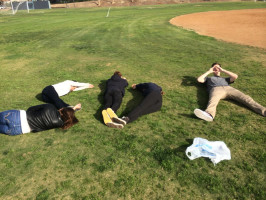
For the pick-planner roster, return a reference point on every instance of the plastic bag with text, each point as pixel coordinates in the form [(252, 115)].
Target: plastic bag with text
[(215, 150)]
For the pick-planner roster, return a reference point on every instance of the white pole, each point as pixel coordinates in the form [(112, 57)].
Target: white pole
[(12, 7), (108, 12), (27, 6)]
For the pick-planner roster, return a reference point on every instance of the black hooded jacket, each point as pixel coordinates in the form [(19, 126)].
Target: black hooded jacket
[(116, 83), (147, 88)]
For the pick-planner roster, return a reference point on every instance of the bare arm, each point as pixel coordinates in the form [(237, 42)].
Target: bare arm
[(201, 78), (232, 75)]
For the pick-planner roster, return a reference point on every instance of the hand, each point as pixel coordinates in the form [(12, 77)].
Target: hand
[(134, 86), (123, 77), (91, 86), (77, 107), (211, 70), (219, 68)]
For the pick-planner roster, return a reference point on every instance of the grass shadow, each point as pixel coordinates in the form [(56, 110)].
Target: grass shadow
[(39, 97), (98, 114), (183, 148), (202, 94), (239, 104), (131, 104), (191, 115)]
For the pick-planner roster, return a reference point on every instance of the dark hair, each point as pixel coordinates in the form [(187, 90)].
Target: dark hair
[(68, 116), (216, 64), (118, 73)]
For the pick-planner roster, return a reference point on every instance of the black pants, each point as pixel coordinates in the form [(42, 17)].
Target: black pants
[(151, 103), (49, 95), (113, 99)]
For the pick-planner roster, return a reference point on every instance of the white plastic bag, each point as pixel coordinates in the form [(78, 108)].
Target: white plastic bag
[(216, 151)]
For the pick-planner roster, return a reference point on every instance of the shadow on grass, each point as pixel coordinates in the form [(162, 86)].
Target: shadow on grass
[(39, 97), (202, 94), (169, 158), (240, 105), (131, 104), (98, 114), (183, 148)]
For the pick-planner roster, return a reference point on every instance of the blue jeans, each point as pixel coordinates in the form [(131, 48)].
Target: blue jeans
[(10, 122)]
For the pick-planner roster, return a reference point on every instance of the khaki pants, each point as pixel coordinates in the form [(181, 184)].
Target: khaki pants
[(228, 92)]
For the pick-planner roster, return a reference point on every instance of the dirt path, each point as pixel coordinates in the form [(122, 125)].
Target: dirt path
[(247, 27)]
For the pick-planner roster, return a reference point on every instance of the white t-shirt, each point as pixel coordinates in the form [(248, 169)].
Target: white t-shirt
[(63, 88), (24, 122)]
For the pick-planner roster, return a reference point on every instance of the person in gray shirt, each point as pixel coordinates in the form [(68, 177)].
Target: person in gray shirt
[(219, 88)]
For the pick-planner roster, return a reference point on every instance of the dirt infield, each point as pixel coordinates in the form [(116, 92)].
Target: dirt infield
[(247, 27)]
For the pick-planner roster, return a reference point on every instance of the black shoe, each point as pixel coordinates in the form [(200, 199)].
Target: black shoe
[(119, 120), (126, 119)]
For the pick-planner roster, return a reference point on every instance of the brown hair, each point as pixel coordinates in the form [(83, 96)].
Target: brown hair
[(68, 116), (118, 72)]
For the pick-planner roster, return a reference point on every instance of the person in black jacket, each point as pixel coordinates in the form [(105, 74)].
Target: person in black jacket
[(36, 118), (114, 93), (151, 102)]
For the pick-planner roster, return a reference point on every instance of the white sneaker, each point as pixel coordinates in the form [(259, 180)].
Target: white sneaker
[(203, 115), (114, 125), (119, 121)]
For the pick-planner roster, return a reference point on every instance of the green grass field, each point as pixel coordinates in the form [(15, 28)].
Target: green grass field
[(146, 159)]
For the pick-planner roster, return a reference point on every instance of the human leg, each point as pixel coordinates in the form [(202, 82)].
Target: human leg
[(216, 94), (49, 95), (114, 117), (246, 100), (108, 100), (108, 121), (117, 100), (10, 123), (151, 103)]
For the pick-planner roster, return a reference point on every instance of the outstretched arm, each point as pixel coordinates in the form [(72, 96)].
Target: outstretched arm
[(75, 86)]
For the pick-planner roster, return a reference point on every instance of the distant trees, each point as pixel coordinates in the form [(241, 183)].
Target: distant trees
[(67, 1)]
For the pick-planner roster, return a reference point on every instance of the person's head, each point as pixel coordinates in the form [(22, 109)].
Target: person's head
[(68, 116), (216, 69), (118, 73)]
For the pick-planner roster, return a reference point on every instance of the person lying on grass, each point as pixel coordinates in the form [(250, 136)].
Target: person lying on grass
[(52, 93), (36, 118), (114, 93), (218, 88), (151, 102)]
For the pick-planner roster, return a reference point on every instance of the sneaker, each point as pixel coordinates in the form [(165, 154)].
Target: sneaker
[(203, 115), (114, 117), (126, 119), (119, 120), (114, 125)]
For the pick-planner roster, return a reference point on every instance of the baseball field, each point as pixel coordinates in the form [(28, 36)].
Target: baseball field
[(146, 159)]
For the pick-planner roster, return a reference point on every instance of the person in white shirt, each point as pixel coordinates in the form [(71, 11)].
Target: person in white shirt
[(52, 93)]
